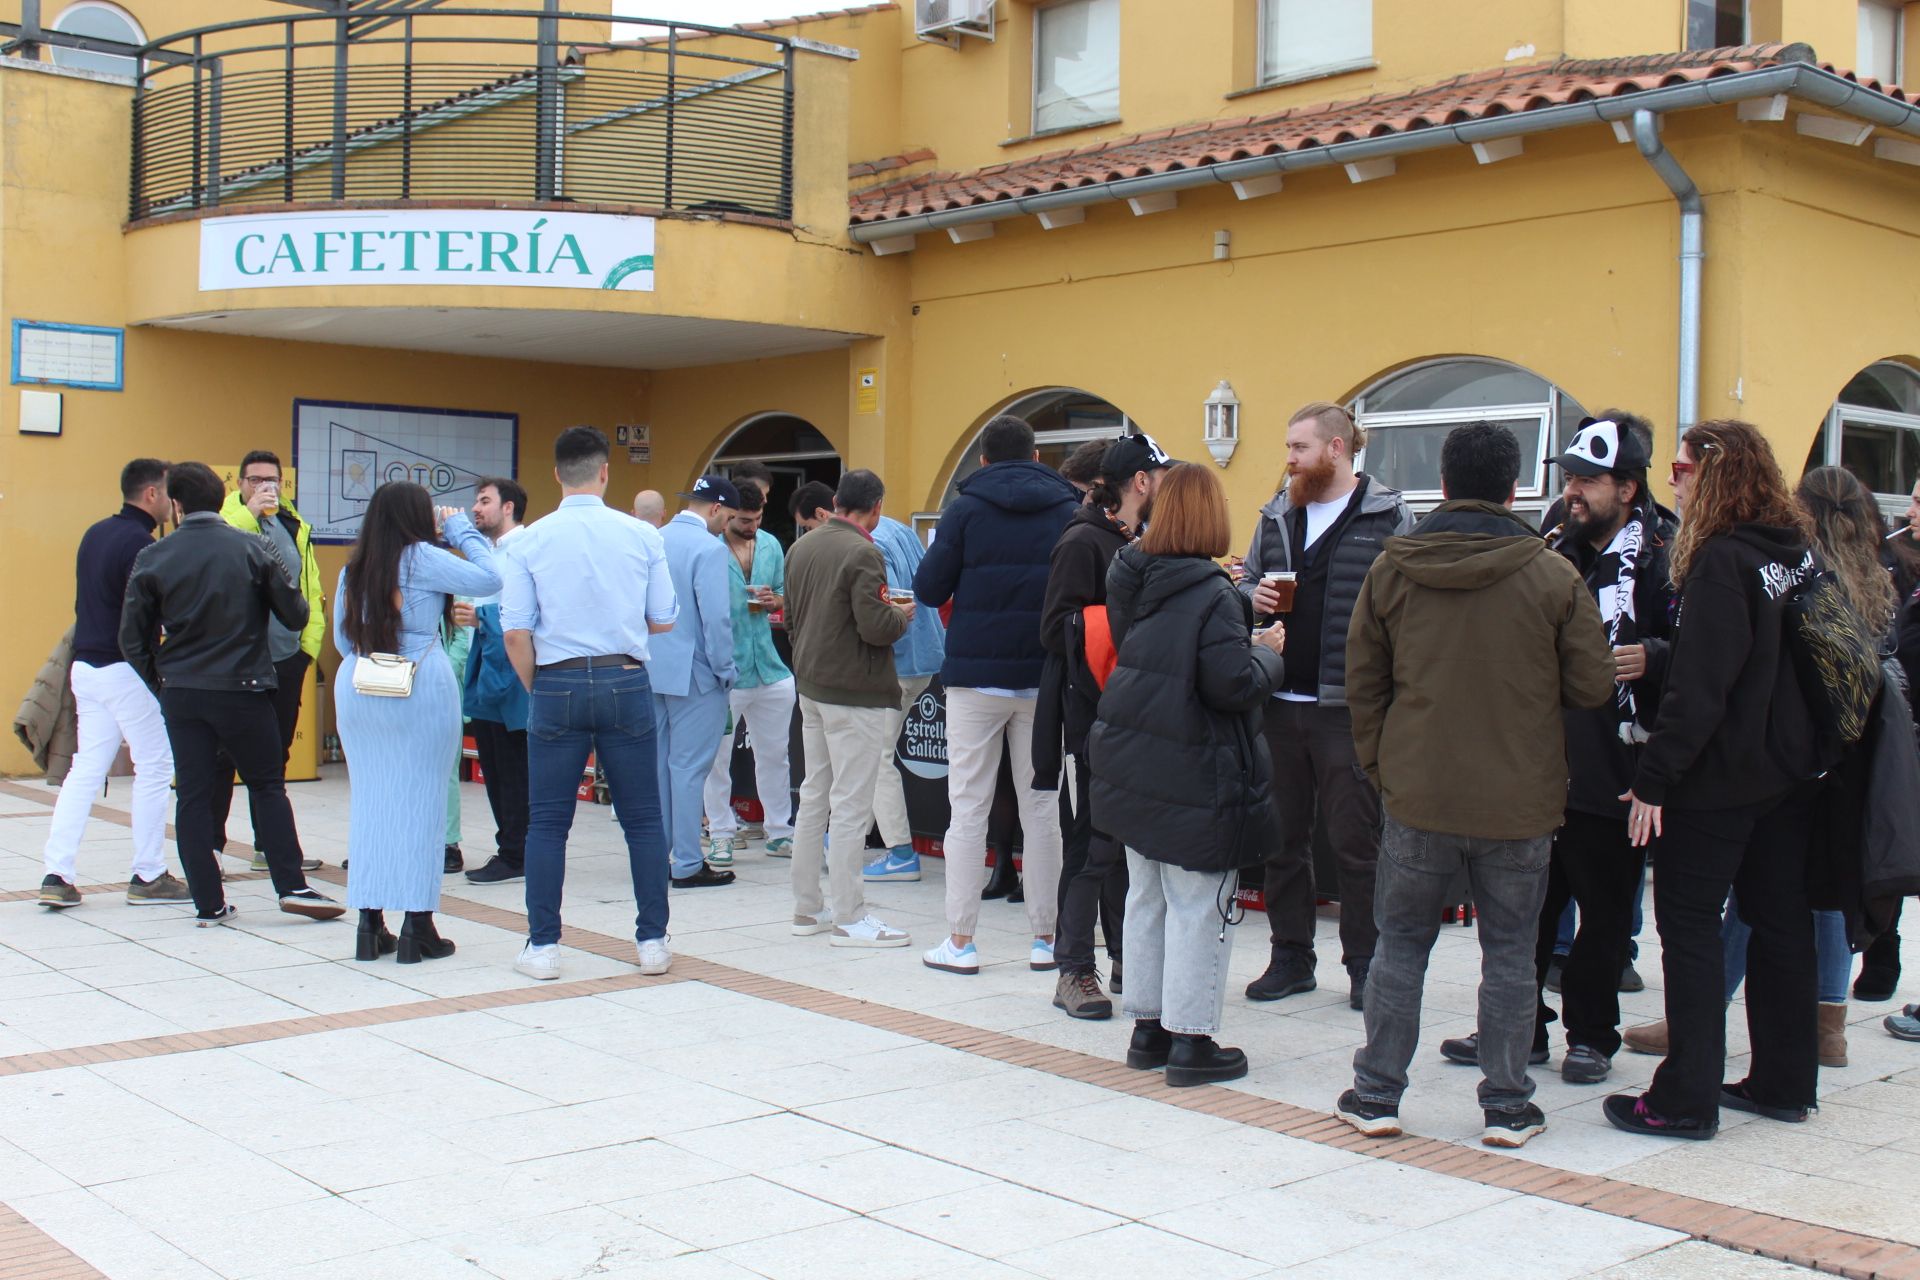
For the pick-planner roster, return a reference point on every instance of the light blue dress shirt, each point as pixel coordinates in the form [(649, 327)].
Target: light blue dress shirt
[(697, 655), (586, 580), (923, 648)]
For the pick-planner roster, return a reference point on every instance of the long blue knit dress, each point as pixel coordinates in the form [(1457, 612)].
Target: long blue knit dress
[(401, 750)]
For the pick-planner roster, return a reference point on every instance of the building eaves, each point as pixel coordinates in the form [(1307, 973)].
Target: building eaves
[(1476, 107)]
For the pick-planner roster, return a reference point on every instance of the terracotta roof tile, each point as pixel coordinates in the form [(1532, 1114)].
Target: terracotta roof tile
[(1474, 95)]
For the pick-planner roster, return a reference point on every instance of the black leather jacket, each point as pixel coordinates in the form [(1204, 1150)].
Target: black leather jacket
[(211, 586)]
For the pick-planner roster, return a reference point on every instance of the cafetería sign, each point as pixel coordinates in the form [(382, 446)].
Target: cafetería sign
[(427, 246)]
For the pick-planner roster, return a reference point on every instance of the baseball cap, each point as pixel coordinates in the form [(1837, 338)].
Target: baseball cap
[(1601, 446), (1131, 454), (714, 489)]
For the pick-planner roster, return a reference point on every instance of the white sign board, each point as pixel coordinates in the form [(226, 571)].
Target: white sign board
[(427, 246), (346, 451), (73, 355)]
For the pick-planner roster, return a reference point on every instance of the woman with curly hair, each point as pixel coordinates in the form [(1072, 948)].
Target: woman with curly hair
[(1723, 791)]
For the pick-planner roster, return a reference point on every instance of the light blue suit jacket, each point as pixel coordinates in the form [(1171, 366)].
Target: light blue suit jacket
[(697, 655)]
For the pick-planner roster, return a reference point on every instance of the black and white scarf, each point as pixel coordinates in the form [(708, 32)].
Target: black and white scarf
[(1616, 575)]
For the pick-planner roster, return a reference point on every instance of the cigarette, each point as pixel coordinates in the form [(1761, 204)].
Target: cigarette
[(1896, 533)]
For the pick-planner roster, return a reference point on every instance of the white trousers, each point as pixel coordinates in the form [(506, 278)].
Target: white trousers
[(114, 705), (889, 792), (768, 712), (977, 724), (841, 753)]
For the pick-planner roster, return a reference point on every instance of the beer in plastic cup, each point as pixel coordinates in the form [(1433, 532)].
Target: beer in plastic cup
[(1282, 584), (899, 595)]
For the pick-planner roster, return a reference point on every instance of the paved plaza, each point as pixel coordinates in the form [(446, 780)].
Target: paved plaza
[(236, 1102)]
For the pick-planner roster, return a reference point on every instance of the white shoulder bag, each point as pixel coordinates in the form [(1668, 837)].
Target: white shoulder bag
[(383, 675)]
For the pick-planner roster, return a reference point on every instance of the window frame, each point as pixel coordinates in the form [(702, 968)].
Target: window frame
[(1538, 493), (1265, 77), (1034, 128), (1899, 12), (1686, 19), (104, 6), (1890, 504)]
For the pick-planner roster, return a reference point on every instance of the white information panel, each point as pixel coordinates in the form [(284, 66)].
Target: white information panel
[(345, 451), (68, 355)]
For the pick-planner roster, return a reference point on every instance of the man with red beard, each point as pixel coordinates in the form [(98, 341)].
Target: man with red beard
[(1324, 529)]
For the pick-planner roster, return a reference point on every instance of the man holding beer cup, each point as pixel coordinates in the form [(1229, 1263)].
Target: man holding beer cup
[(1311, 551)]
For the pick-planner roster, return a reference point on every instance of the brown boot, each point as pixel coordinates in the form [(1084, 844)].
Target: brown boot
[(1833, 1035), (1651, 1038)]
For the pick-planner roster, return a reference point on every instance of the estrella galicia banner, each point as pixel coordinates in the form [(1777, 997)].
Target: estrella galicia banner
[(427, 246)]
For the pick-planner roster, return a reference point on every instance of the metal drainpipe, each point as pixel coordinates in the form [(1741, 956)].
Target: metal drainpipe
[(1646, 136)]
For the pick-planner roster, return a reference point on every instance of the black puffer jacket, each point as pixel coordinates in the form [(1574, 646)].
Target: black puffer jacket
[(1181, 772)]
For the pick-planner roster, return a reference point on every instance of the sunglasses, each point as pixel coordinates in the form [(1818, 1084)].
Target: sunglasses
[(1682, 469)]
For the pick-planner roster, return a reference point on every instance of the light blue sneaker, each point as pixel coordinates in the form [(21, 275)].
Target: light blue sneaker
[(951, 959), (897, 863)]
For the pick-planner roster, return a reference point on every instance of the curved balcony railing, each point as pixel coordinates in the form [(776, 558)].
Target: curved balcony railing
[(463, 103)]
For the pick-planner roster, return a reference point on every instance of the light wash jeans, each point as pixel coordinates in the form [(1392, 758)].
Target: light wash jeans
[(1509, 882), (1177, 944), (113, 706), (768, 712), (1833, 958)]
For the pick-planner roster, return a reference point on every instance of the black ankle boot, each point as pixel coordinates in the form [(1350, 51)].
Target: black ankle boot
[(1004, 877), (373, 940), (1198, 1060), (1879, 969), (1150, 1045), (419, 940), (1289, 973)]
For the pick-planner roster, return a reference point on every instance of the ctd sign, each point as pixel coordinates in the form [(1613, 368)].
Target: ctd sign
[(427, 246)]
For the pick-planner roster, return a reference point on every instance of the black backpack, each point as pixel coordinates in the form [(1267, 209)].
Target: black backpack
[(1836, 661)]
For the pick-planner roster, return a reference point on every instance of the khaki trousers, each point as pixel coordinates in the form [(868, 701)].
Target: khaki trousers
[(977, 724), (843, 755)]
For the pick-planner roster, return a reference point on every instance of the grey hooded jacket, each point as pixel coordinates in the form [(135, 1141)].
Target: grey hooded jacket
[(1383, 514)]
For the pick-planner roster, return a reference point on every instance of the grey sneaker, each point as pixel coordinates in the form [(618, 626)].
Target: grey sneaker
[(163, 888), (306, 864), (58, 894), (1585, 1064)]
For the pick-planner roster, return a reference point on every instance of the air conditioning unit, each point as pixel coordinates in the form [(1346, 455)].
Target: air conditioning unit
[(945, 21)]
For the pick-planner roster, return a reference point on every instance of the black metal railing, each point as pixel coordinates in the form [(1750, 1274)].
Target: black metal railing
[(463, 103)]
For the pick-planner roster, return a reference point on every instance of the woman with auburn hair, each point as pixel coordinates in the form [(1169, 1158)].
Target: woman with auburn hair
[(1180, 766), (1724, 792), (395, 600)]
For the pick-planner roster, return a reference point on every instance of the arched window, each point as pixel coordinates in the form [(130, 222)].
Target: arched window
[(1408, 414), (792, 449), (1062, 419), (102, 22), (1873, 430)]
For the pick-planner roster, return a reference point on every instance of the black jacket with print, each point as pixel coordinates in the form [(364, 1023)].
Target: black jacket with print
[(1734, 728)]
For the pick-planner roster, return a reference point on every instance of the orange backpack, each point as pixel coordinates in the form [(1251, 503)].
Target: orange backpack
[(1102, 657)]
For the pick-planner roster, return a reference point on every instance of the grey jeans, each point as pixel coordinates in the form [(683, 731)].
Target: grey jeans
[(1177, 945), (1509, 882)]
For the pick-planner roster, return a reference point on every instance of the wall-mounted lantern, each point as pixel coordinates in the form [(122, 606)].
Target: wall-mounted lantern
[(1223, 422)]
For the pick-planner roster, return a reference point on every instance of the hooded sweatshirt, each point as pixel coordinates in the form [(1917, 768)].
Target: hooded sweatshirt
[(1733, 728), (990, 556), (1469, 637)]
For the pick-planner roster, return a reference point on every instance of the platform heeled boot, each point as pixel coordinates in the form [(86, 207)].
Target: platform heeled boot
[(373, 939), (419, 940)]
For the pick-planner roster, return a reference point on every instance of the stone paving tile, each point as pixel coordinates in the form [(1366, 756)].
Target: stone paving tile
[(577, 1133)]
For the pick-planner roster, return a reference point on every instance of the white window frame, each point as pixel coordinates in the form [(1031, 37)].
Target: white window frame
[(1899, 12), (1891, 504), (1269, 78), (82, 6), (1528, 496), (1034, 127)]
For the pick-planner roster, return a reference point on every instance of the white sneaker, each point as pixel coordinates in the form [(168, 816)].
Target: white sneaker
[(952, 959), (1040, 959), (868, 931), (654, 956), (807, 926), (542, 962), (720, 854)]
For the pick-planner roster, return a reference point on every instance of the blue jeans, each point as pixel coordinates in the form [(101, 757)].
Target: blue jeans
[(1416, 870), (1833, 958), (689, 730), (608, 711), (1563, 940)]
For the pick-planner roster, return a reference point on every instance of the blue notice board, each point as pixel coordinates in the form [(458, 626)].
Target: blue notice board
[(69, 355)]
